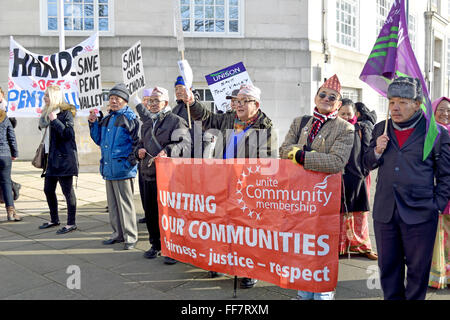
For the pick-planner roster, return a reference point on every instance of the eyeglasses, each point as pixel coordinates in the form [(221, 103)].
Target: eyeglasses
[(331, 97), (244, 102), (154, 101)]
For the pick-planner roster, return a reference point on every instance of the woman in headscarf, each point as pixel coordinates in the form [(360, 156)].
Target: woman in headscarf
[(61, 156), (354, 237), (440, 265)]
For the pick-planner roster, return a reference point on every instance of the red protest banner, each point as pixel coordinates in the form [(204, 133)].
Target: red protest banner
[(266, 219)]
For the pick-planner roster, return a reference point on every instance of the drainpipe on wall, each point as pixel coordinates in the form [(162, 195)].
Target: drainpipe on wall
[(325, 45), (428, 46)]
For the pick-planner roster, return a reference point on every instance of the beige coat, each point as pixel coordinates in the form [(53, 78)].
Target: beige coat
[(332, 145)]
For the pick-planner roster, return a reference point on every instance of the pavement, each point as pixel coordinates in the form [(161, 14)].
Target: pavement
[(41, 265)]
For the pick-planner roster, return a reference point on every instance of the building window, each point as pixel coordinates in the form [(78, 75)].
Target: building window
[(212, 17), (383, 106), (435, 4), (448, 57), (383, 9), (207, 98), (351, 93), (79, 16), (412, 30), (346, 22)]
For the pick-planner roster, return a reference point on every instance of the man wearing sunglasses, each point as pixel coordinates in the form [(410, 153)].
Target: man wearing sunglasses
[(246, 133), (158, 134), (321, 143)]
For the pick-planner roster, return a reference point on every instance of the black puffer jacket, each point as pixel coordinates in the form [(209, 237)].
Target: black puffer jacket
[(366, 116), (62, 158), (355, 188), (8, 143)]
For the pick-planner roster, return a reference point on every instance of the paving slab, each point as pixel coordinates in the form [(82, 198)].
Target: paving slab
[(95, 282), (15, 278), (35, 262), (50, 291)]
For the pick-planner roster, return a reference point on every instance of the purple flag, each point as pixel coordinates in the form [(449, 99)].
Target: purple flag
[(392, 57)]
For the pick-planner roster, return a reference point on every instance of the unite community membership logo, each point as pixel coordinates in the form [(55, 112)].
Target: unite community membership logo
[(257, 194)]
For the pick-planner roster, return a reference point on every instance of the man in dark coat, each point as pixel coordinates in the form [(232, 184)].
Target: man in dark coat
[(159, 128), (201, 142), (245, 133), (410, 192)]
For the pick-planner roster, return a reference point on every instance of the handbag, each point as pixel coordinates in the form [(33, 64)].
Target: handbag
[(38, 160)]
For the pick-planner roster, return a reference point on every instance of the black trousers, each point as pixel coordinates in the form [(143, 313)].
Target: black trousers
[(66, 184), (151, 213), (400, 245)]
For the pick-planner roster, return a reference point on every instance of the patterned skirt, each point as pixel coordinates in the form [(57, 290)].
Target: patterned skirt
[(354, 234), (440, 265)]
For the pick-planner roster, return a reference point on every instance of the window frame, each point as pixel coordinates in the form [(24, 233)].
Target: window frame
[(210, 103), (44, 31), (412, 33), (353, 94), (448, 58), (381, 18), (357, 27), (204, 34)]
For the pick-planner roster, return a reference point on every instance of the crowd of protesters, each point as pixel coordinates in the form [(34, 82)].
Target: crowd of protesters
[(411, 205)]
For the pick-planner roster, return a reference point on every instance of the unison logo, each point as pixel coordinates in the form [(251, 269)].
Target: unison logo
[(225, 74)]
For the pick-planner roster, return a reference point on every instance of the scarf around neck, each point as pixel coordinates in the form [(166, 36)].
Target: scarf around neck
[(318, 121), (240, 126), (411, 123), (354, 120)]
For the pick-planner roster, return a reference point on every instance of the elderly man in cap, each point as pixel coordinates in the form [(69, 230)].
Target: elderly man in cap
[(117, 134), (320, 143), (410, 192), (240, 130), (156, 140)]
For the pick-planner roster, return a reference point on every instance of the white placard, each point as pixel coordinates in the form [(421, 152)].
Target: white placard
[(89, 81), (133, 68)]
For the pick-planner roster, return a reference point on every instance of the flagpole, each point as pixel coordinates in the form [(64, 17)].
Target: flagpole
[(180, 43), (62, 41), (387, 122)]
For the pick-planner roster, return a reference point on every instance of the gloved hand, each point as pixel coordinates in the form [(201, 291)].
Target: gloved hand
[(292, 153)]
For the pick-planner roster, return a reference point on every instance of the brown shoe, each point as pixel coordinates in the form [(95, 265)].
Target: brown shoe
[(372, 255), (12, 215)]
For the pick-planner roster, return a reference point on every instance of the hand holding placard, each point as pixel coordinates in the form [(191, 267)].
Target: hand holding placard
[(188, 77)]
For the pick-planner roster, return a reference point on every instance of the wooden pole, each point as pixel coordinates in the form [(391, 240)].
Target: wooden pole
[(187, 104), (387, 122)]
